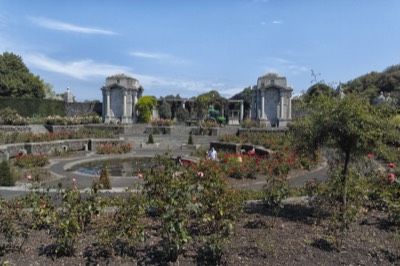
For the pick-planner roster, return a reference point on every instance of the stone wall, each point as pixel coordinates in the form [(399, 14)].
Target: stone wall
[(12, 150), (63, 128), (81, 109), (239, 148), (22, 129)]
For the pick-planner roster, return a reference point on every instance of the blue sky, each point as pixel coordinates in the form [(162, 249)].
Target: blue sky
[(189, 47)]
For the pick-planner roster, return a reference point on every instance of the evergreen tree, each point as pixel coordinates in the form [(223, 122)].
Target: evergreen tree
[(16, 80), (104, 179), (6, 175), (164, 110)]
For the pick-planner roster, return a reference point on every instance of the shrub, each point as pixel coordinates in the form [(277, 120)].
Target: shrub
[(150, 139), (11, 231), (161, 122), (104, 180), (9, 116), (123, 230), (31, 160), (190, 140), (91, 118), (276, 190), (6, 175), (248, 123), (112, 149)]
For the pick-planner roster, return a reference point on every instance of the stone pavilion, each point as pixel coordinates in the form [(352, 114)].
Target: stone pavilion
[(120, 95), (271, 101)]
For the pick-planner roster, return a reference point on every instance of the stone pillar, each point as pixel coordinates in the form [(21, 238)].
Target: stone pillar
[(107, 116), (282, 115), (290, 106), (183, 104), (108, 103), (124, 117), (134, 101), (262, 104), (241, 111)]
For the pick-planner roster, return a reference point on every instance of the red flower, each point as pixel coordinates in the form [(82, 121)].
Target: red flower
[(391, 177), (231, 172), (391, 165), (139, 175), (369, 155)]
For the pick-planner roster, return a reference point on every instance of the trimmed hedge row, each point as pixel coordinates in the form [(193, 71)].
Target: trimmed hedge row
[(28, 106)]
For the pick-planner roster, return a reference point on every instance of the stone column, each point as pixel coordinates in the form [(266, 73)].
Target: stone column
[(183, 104), (282, 116), (290, 105), (124, 118), (107, 116), (241, 111), (134, 101), (262, 104)]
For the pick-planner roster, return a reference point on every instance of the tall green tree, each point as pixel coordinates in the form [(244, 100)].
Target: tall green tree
[(7, 177), (351, 125), (318, 89), (144, 106), (205, 100), (16, 80), (164, 110)]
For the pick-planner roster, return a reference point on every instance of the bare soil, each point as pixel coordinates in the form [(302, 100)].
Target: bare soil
[(292, 238)]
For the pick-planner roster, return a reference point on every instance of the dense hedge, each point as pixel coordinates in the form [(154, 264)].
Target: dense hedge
[(28, 107)]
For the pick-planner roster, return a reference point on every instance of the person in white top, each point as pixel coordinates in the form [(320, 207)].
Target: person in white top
[(213, 154)]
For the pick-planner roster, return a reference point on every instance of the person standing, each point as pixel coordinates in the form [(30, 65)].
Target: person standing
[(213, 154)]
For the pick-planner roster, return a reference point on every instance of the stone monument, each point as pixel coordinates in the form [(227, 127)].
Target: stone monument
[(120, 95), (271, 101), (68, 97)]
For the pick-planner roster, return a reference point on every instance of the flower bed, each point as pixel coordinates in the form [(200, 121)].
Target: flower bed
[(114, 149), (31, 160)]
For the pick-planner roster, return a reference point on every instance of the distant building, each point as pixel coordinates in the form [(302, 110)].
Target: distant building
[(271, 101), (120, 95), (68, 97)]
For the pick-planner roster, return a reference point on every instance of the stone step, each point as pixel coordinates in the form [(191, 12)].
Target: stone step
[(38, 129)]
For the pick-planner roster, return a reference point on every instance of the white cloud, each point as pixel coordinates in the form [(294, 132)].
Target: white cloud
[(89, 69), (276, 22), (62, 26), (185, 88), (282, 66), (149, 55), (167, 58), (82, 69)]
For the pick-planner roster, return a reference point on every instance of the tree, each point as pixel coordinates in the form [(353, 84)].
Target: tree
[(16, 79), (371, 84), (164, 110), (182, 114), (351, 125), (204, 101), (144, 107), (246, 96), (6, 175), (104, 180), (319, 89)]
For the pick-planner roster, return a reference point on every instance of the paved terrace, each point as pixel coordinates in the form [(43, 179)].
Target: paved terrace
[(171, 144)]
